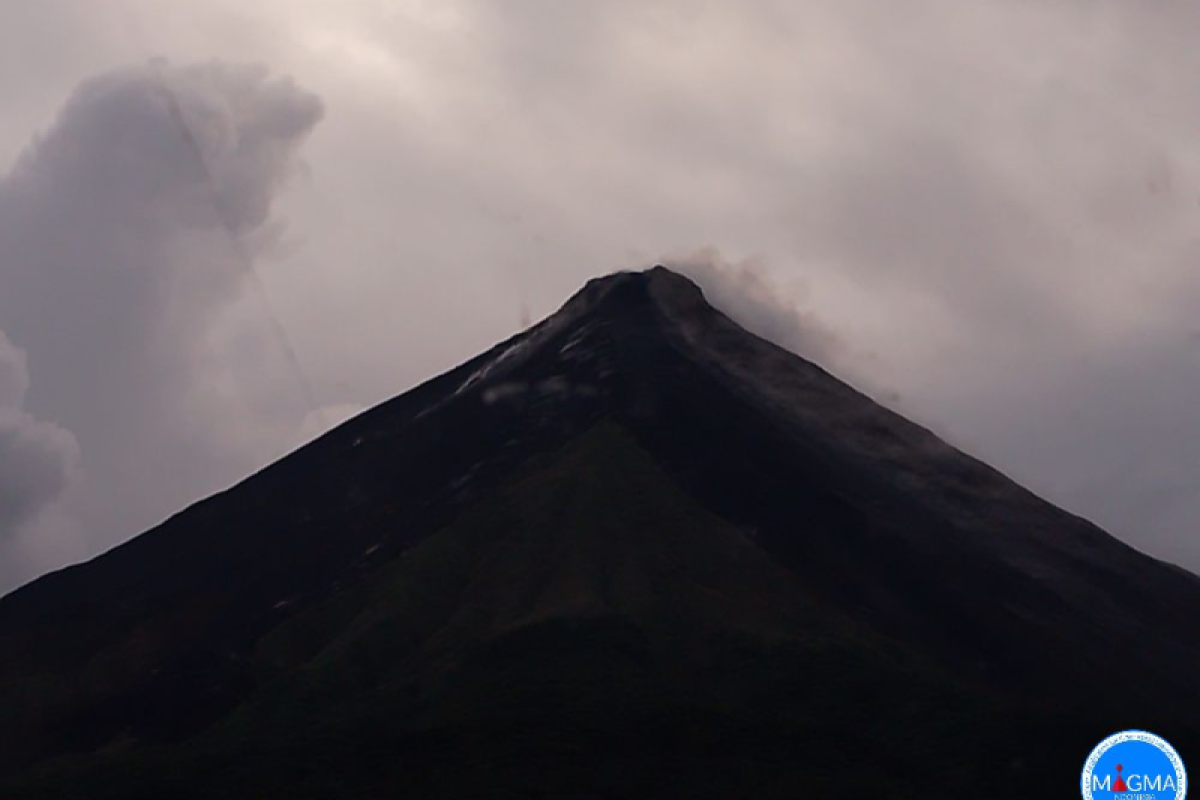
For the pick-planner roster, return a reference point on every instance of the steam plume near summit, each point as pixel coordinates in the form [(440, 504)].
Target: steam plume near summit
[(746, 291)]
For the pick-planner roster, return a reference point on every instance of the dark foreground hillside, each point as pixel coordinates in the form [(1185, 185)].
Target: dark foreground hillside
[(634, 552)]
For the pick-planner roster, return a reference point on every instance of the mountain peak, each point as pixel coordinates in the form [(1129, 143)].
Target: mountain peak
[(631, 288), (625, 518)]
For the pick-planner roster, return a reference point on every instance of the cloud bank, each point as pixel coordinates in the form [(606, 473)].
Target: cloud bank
[(990, 205)]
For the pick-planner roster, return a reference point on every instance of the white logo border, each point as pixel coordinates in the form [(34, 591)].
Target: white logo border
[(1085, 780)]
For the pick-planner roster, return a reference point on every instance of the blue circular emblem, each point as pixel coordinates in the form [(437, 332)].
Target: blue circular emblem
[(1134, 765)]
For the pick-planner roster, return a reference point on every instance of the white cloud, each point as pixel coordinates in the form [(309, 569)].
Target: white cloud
[(991, 205), (127, 230)]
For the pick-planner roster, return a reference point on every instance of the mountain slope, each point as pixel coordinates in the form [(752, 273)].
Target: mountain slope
[(588, 621), (633, 517)]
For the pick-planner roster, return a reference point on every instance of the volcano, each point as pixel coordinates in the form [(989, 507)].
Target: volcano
[(634, 551)]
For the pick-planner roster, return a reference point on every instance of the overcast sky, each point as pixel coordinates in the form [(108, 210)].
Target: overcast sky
[(984, 212)]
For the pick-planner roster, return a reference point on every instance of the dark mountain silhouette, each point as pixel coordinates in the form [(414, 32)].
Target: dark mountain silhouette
[(634, 551)]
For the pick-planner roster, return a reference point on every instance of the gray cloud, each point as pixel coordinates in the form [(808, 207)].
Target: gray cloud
[(990, 207), (126, 231), (14, 374), (37, 458), (36, 462)]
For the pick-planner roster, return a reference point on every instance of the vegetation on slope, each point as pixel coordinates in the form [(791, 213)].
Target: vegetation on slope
[(587, 631)]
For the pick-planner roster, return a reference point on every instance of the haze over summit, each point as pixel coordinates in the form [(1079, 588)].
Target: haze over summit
[(1006, 252)]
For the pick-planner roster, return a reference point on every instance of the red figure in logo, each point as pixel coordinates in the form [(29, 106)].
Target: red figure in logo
[(1119, 786)]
